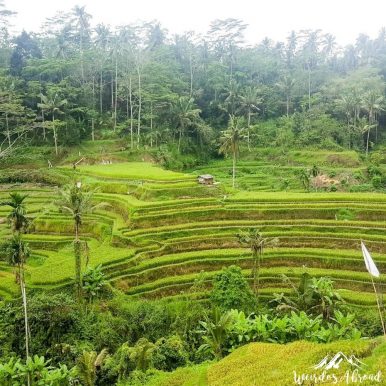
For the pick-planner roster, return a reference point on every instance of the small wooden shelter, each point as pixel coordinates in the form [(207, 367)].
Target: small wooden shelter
[(205, 179)]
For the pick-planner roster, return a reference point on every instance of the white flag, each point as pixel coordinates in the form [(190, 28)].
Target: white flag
[(370, 265)]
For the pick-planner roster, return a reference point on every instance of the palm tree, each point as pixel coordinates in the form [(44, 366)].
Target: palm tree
[(88, 364), (230, 142), (102, 41), (250, 102), (17, 251), (372, 103), (365, 128), (215, 332), (286, 85), (187, 115), (53, 105), (18, 219), (232, 96), (347, 105), (256, 241), (81, 19), (77, 203)]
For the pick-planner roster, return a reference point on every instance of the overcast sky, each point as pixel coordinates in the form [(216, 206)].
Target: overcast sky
[(273, 18)]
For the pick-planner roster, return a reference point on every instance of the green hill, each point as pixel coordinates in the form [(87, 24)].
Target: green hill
[(274, 365)]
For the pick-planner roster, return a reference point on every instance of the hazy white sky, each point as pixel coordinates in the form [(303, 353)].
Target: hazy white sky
[(273, 18)]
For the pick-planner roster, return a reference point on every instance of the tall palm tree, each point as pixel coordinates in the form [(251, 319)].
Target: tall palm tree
[(81, 19), (255, 240), (347, 105), (18, 215), (187, 115), (77, 203), (372, 103), (53, 105), (250, 102), (102, 41), (364, 128), (230, 142), (286, 85), (232, 96), (17, 251)]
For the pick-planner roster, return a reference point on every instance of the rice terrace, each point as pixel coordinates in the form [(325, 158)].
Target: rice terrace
[(192, 210)]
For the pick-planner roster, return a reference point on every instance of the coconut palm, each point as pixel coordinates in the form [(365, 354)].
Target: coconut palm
[(17, 217), (81, 21), (17, 250), (250, 102), (77, 203), (53, 105), (232, 96), (230, 142), (255, 240), (364, 128), (372, 103), (187, 115), (286, 85)]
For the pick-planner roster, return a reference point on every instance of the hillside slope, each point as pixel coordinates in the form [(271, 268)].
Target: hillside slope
[(275, 365)]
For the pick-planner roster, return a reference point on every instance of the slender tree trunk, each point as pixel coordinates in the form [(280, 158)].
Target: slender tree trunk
[(24, 299), (81, 56), (191, 73), (78, 263), (101, 91), (25, 311), (258, 275), (26, 324), (248, 133), (234, 170), (179, 139), (41, 101), (127, 106), (112, 95), (55, 134), (116, 93), (367, 142), (131, 114), (151, 116), (139, 106), (93, 106), (349, 132), (309, 87), (7, 128), (92, 130), (288, 105)]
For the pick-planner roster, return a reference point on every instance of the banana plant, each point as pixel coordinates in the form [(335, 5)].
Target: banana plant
[(215, 332)]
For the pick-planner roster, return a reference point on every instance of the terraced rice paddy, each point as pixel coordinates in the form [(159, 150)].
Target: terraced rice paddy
[(161, 230)]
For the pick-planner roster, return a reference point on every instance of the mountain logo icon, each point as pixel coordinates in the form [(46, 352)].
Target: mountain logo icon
[(328, 363)]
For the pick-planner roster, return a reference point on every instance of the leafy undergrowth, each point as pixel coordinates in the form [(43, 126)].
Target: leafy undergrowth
[(271, 364)]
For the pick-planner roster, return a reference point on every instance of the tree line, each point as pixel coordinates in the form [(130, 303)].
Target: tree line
[(72, 81)]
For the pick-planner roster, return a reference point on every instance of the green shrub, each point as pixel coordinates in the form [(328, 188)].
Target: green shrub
[(361, 188), (170, 353), (373, 171), (377, 182), (231, 290)]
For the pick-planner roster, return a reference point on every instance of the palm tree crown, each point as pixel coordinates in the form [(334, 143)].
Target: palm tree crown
[(17, 217)]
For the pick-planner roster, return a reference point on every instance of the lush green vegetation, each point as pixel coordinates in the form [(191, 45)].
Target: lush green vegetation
[(117, 267)]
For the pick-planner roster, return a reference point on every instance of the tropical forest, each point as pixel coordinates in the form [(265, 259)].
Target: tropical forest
[(190, 208)]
